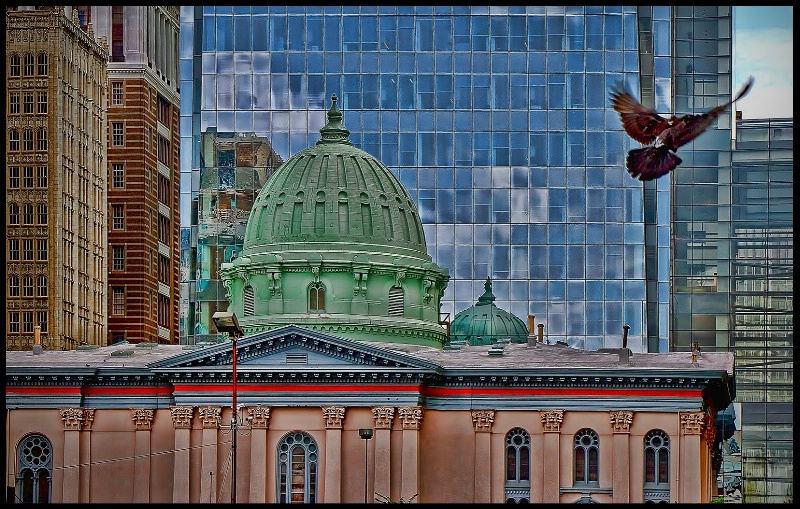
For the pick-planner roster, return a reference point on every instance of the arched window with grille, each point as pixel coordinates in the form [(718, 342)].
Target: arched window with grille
[(587, 456), (656, 466), (35, 474), (297, 469), (249, 301), (396, 301), (518, 466), (316, 297)]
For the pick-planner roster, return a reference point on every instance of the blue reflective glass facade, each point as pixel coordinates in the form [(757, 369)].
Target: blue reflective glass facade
[(496, 119)]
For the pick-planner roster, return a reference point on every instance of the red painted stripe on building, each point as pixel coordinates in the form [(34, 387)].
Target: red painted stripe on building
[(127, 391), (51, 391), (298, 387), (565, 392)]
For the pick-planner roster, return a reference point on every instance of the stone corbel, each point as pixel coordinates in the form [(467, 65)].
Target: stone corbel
[(427, 285), (227, 284), (274, 283), (399, 276), (315, 272)]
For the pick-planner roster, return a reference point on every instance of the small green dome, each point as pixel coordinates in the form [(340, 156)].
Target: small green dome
[(485, 324), (334, 192)]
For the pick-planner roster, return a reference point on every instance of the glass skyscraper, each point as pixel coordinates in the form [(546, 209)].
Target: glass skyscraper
[(498, 121)]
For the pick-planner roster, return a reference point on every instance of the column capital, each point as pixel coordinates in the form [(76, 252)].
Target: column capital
[(76, 418), (621, 421), (411, 415), (210, 416), (181, 416), (551, 420), (482, 420), (383, 416), (142, 418), (692, 422), (260, 415), (333, 416)]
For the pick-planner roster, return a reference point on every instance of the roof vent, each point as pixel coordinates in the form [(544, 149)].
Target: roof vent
[(296, 358), (122, 353), (496, 350)]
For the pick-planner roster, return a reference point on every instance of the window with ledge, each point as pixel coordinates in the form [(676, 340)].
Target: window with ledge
[(13, 103), (297, 469), (117, 134), (13, 321), (27, 176), (27, 102), (27, 140), (164, 111), (41, 319), (116, 93), (13, 249), (13, 177), (118, 175), (163, 189), (163, 311), (316, 297), (42, 67), (27, 250), (13, 286), (249, 301), (118, 217), (13, 140), (27, 286), (41, 212), (518, 466), (656, 466), (587, 451), (29, 67), (163, 230), (163, 269), (27, 322), (41, 176), (41, 140), (396, 303), (14, 66), (118, 257), (163, 150), (118, 301), (41, 103), (35, 470), (41, 250), (27, 214), (41, 287), (13, 213)]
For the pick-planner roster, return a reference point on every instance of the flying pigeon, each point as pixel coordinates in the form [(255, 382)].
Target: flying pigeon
[(663, 135)]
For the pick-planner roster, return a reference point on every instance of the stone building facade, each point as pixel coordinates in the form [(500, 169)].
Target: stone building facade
[(55, 176)]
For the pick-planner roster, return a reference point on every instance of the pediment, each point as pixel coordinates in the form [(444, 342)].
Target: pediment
[(294, 347)]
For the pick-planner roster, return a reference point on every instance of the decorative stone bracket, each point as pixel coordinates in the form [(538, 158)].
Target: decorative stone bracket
[(334, 415), (551, 420), (142, 418), (76, 419), (360, 282), (621, 421), (482, 420), (427, 295), (411, 416), (274, 283), (383, 416)]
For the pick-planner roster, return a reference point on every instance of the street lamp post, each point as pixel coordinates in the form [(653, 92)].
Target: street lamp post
[(366, 434), (226, 321)]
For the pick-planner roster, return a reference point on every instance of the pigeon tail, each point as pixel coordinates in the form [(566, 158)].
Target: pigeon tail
[(649, 163)]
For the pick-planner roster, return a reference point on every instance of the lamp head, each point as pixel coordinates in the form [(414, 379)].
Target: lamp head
[(226, 321), (365, 433)]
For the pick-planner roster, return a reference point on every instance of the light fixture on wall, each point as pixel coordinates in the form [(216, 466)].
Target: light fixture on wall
[(365, 434)]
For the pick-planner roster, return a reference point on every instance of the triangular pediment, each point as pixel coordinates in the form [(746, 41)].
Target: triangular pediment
[(290, 347)]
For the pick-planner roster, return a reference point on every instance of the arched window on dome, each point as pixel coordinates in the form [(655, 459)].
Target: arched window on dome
[(518, 466), (297, 469), (249, 301), (35, 474), (587, 452), (396, 301), (656, 466), (316, 297)]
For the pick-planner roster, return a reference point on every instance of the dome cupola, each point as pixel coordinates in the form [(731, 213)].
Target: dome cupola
[(485, 323), (335, 243)]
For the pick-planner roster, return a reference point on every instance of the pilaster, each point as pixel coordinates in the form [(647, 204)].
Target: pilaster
[(621, 421), (690, 472), (334, 417), (142, 424), (482, 421), (411, 417), (182, 423), (76, 475), (551, 424), (258, 443), (383, 417), (209, 418)]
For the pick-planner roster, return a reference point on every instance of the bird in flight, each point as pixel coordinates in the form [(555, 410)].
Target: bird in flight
[(664, 136)]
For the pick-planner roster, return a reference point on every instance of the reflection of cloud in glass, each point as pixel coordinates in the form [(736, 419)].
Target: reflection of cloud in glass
[(767, 55)]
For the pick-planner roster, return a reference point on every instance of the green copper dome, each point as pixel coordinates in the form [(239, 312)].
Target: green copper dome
[(484, 323), (332, 193), (335, 243)]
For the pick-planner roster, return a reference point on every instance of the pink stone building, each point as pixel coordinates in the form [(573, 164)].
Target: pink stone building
[(516, 422)]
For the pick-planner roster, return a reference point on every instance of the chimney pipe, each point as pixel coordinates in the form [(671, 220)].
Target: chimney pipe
[(531, 318), (625, 335), (541, 332), (531, 333), (37, 340)]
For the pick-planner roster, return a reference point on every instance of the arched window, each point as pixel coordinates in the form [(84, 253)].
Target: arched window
[(29, 68), (518, 466), (396, 304), (13, 213), (316, 297), (27, 140), (656, 466), (35, 461), (27, 214), (249, 301), (42, 65), (15, 67), (587, 452), (297, 469), (13, 141), (13, 286)]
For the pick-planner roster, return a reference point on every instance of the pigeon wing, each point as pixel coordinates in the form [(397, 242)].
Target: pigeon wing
[(642, 124)]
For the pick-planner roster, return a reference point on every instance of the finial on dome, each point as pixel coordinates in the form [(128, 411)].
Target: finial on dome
[(487, 297), (334, 131)]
